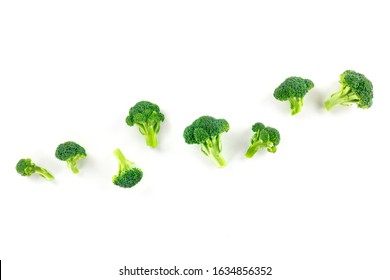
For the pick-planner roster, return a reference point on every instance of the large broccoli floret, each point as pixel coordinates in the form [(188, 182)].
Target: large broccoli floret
[(207, 131), (128, 175), (264, 137), (294, 90), (147, 117), (355, 89), (70, 152), (26, 167)]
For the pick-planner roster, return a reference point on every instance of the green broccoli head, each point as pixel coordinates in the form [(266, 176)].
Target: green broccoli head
[(207, 131), (70, 152), (26, 167), (258, 127), (128, 175), (147, 117), (293, 89), (264, 137), (355, 89)]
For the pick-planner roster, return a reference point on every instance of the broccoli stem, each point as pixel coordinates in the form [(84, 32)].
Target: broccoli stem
[(44, 173), (119, 155), (218, 158), (340, 98), (150, 134), (121, 159), (72, 165), (272, 149), (124, 163), (212, 149), (252, 150), (151, 137), (72, 162), (296, 105)]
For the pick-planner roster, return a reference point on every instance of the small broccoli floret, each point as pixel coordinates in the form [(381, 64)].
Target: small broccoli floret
[(294, 90), (355, 89), (70, 152), (264, 137), (207, 131), (128, 175), (26, 167), (148, 118)]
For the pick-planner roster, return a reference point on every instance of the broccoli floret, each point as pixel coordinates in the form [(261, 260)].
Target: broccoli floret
[(128, 175), (26, 167), (207, 131), (264, 137), (355, 89), (70, 152), (294, 90), (147, 117)]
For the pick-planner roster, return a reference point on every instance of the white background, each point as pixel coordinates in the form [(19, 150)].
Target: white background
[(70, 70)]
